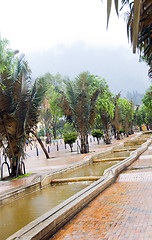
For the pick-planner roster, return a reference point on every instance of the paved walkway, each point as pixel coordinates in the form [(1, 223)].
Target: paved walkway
[(39, 164), (122, 211)]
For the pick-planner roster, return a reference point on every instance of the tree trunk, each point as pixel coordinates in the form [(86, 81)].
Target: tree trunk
[(84, 143), (71, 147), (54, 132), (41, 144), (48, 137), (127, 128), (15, 168), (117, 135), (14, 155), (107, 134), (114, 130)]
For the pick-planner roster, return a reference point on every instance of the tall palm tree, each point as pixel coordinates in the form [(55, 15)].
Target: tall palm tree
[(117, 121), (106, 112), (79, 106), (126, 112), (19, 104), (139, 27)]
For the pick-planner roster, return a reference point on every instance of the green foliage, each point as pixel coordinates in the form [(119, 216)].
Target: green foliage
[(147, 100), (41, 133), (79, 104), (51, 111), (117, 120), (97, 133), (24, 175), (68, 128), (121, 130), (126, 110), (7, 60), (70, 138), (144, 114), (105, 106), (141, 116), (127, 114)]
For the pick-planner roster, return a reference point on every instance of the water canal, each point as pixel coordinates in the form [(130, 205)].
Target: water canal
[(19, 213)]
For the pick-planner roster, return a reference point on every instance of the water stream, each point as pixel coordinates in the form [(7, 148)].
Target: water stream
[(19, 213)]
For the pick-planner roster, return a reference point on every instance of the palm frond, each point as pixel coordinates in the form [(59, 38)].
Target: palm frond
[(71, 93), (65, 105), (34, 103), (136, 18), (109, 3), (93, 107), (5, 102), (140, 25)]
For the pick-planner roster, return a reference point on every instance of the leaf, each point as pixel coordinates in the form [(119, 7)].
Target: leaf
[(136, 18), (116, 6), (109, 3), (129, 22)]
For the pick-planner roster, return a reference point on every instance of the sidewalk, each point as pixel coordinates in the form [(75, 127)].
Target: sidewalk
[(58, 159), (122, 211)]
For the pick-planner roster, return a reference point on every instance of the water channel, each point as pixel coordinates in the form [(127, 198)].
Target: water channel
[(19, 213)]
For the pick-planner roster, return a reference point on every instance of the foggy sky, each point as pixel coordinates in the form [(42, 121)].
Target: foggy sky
[(118, 65)]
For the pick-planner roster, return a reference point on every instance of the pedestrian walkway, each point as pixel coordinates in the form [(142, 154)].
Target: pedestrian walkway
[(122, 211), (58, 159)]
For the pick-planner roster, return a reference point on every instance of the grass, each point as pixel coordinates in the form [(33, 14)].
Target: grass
[(20, 176), (24, 175)]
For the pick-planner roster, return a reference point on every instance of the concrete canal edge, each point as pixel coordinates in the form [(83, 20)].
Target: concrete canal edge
[(46, 225), (43, 180)]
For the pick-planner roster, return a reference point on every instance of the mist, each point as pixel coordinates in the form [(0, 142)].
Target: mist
[(118, 65)]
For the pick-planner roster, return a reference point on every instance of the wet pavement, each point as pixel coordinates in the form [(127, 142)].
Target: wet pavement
[(122, 211), (58, 159)]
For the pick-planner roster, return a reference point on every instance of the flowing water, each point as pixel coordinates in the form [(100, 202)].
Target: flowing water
[(24, 210), (95, 169), (117, 154)]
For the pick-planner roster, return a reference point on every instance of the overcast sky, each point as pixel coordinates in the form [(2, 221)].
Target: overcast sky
[(70, 36)]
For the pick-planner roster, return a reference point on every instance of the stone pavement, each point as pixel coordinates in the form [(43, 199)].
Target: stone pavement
[(122, 211), (58, 159)]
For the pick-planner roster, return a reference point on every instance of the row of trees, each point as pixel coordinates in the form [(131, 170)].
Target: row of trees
[(79, 105), (86, 103), (144, 113)]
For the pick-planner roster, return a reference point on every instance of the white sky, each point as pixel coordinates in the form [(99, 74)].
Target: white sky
[(32, 25), (70, 36)]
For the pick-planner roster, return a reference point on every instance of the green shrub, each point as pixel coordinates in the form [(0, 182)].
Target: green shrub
[(98, 134), (121, 130), (70, 138)]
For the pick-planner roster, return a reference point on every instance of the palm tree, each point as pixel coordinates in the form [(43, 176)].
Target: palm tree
[(116, 121), (127, 112), (106, 112), (79, 106), (139, 27), (19, 104)]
